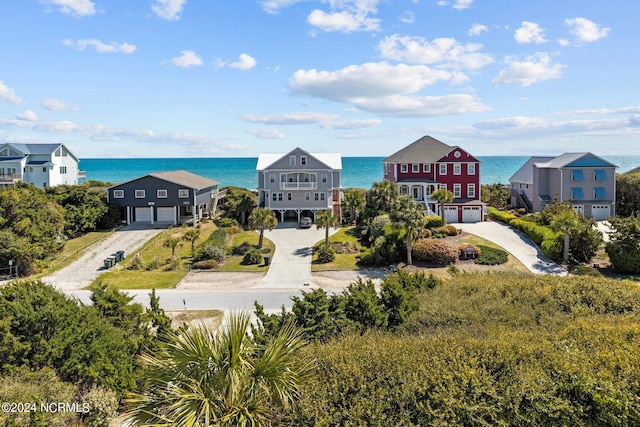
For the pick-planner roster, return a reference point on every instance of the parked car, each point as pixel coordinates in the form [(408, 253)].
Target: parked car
[(305, 222)]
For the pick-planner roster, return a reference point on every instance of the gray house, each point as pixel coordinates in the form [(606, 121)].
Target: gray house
[(585, 180), (299, 183), (174, 197)]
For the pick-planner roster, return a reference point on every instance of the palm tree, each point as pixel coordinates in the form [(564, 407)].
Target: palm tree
[(566, 221), (173, 243), (246, 203), (381, 196), (191, 236), (208, 378), (354, 202), (408, 214), (261, 219), (442, 196), (326, 219)]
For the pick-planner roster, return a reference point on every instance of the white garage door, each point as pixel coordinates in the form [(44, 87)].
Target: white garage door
[(143, 215), (600, 212), (165, 214), (451, 214), (579, 209), (471, 213)]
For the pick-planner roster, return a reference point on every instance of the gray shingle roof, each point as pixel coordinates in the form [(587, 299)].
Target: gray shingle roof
[(525, 173), (424, 150), (186, 179)]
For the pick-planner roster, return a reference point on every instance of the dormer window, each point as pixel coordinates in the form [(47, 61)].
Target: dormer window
[(292, 160), (303, 160)]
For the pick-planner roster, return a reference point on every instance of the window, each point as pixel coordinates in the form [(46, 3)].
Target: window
[(118, 194), (471, 168), (404, 168), (404, 189), (272, 178), (303, 160), (140, 194), (183, 193), (324, 178), (44, 169), (30, 169), (415, 168), (274, 197), (316, 196), (577, 193), (280, 196), (426, 168), (577, 175), (471, 191), (457, 169), (456, 191), (162, 194), (289, 196), (307, 196), (599, 175), (442, 186), (443, 168), (292, 160), (599, 193), (63, 169)]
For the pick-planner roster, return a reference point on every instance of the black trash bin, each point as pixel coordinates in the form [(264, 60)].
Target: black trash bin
[(120, 255), (267, 259)]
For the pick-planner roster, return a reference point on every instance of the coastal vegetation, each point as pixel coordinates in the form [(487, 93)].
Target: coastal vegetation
[(628, 193)]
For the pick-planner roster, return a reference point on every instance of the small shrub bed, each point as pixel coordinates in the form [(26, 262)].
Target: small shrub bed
[(326, 253), (434, 251), (491, 256), (242, 248), (433, 222), (252, 257), (584, 270), (205, 265)]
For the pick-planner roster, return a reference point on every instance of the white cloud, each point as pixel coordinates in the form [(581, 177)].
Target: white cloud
[(352, 124), (267, 133), (28, 116), (188, 59), (564, 42), (407, 17), (245, 62), (477, 29), (295, 118), (530, 32), (346, 22), (446, 52), (274, 6), (422, 106), (101, 47), (533, 69), (586, 30), (76, 8), (457, 4), (168, 9), (55, 105), (8, 94)]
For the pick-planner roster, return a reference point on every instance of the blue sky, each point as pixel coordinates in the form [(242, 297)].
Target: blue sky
[(223, 78)]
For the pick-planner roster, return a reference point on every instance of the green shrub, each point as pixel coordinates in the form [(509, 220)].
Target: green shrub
[(584, 270), (550, 242), (153, 264), (211, 251), (252, 257), (434, 251), (491, 256), (376, 229), (502, 216), (205, 265), (242, 248), (218, 237), (433, 221), (326, 253), (227, 222), (622, 258)]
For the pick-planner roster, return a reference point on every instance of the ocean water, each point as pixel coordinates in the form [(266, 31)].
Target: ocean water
[(359, 172)]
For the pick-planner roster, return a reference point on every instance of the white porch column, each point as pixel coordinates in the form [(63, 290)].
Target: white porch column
[(175, 215), (151, 210), (128, 215)]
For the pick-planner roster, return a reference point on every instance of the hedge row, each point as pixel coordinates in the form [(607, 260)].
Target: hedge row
[(550, 242), (498, 215)]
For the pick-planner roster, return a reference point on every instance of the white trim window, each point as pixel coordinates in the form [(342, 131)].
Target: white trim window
[(404, 168), (471, 168), (118, 194), (443, 168), (426, 168), (307, 196), (63, 169), (404, 189), (289, 196), (161, 194), (471, 190), (140, 194), (457, 169), (272, 178), (303, 160), (292, 160), (442, 186), (323, 178), (415, 168), (183, 193), (457, 191)]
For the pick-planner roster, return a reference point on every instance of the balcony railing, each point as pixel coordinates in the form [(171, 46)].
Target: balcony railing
[(10, 177), (82, 175), (296, 185)]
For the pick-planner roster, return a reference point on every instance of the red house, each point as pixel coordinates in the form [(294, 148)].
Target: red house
[(427, 165)]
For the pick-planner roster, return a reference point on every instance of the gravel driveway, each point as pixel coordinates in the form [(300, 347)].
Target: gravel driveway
[(85, 269)]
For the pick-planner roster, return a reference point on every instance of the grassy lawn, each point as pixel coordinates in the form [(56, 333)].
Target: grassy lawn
[(234, 262), (72, 250), (210, 318), (342, 261)]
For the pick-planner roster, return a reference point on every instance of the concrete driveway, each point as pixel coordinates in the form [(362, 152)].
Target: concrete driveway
[(291, 264), (515, 242), (85, 269)]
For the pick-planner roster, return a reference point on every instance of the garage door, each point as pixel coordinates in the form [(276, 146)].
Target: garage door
[(579, 209), (471, 214), (600, 212), (165, 214), (143, 215), (451, 214)]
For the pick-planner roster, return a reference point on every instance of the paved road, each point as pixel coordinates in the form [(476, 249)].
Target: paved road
[(515, 242), (84, 270), (291, 264)]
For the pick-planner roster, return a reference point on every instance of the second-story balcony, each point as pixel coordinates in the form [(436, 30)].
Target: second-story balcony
[(298, 185), (10, 178)]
